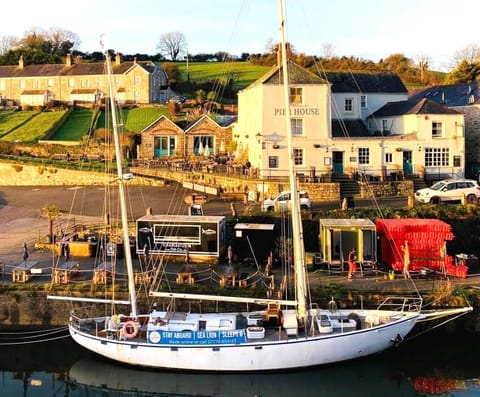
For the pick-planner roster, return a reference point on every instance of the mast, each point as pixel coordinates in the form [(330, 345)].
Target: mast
[(121, 190), (297, 229)]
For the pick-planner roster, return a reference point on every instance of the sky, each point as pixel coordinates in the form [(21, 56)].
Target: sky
[(368, 29)]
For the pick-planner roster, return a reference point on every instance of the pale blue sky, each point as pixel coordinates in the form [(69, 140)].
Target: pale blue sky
[(370, 29)]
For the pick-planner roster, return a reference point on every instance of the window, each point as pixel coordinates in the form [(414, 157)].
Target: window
[(363, 155), (384, 125), (457, 161), (22, 84), (71, 82), (297, 127), (84, 83), (272, 161), (437, 129), (164, 146), (49, 83), (296, 95), (202, 144), (388, 158), (35, 84), (100, 82), (437, 157), (298, 156), (363, 101), (349, 104), (138, 80)]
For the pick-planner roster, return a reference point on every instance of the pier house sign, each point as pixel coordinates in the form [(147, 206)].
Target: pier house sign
[(298, 111)]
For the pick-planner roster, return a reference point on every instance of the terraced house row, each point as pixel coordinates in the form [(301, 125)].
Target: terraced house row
[(35, 85)]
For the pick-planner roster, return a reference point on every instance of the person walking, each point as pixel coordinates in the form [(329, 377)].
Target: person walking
[(352, 267)]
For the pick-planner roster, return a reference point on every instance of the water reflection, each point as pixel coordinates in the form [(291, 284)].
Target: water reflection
[(442, 366)]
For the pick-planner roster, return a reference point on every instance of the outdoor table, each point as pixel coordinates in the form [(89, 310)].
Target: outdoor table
[(25, 270), (102, 272), (63, 273)]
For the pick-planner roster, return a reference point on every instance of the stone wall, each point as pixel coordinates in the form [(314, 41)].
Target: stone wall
[(13, 174)]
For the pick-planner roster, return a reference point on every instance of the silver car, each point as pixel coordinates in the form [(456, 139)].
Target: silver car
[(282, 201), (449, 190)]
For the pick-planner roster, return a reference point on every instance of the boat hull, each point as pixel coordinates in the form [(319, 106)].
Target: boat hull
[(290, 353)]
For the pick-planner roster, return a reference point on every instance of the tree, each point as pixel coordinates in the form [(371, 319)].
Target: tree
[(423, 62), (465, 72), (52, 212), (172, 45)]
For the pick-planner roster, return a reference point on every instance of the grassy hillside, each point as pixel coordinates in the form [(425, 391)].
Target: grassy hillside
[(243, 73), (77, 125), (35, 128), (136, 119)]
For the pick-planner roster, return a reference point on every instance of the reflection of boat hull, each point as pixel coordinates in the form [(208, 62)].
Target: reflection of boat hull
[(360, 378), (254, 354)]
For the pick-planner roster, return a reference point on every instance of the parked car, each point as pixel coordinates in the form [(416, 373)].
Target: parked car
[(449, 190), (178, 99), (282, 201)]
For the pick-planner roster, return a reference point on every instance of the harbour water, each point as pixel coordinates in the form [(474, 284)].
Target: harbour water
[(437, 364)]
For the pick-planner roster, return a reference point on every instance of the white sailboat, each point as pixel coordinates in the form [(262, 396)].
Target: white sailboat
[(278, 335)]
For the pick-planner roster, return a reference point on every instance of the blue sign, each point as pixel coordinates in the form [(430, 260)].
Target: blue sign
[(197, 337)]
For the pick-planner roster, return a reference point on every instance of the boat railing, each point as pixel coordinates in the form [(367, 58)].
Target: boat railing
[(401, 304)]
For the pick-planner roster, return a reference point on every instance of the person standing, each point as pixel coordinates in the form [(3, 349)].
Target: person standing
[(352, 267)]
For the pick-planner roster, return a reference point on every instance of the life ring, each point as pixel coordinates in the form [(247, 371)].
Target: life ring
[(130, 329)]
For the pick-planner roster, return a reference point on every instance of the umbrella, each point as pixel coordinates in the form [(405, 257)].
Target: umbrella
[(406, 258), (66, 251), (25, 252), (230, 254), (200, 148)]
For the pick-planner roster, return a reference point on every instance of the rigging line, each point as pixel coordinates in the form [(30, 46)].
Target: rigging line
[(34, 341), (40, 335), (33, 331)]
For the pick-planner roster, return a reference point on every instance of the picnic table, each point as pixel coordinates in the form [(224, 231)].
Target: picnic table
[(24, 271), (63, 273)]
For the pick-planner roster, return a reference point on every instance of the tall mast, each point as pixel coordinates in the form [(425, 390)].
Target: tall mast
[(121, 189), (297, 229)]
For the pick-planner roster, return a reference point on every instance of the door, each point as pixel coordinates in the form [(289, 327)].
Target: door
[(337, 162), (407, 162)]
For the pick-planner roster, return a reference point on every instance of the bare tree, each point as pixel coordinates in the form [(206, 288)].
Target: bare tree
[(470, 53), (7, 43), (172, 45), (327, 51), (59, 36), (423, 63)]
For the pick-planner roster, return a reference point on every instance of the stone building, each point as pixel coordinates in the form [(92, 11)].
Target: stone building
[(36, 85)]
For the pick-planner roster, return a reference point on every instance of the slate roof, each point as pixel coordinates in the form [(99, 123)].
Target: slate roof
[(76, 69), (365, 82), (422, 106), (451, 95), (297, 75), (349, 128)]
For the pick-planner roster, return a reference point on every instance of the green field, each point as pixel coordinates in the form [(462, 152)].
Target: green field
[(136, 119), (77, 125), (35, 128), (243, 73)]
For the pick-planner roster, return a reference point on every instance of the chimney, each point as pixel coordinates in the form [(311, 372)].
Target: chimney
[(20, 62), (68, 60), (118, 59), (134, 60)]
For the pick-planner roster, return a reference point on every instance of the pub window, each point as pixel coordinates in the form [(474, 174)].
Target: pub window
[(348, 104), (298, 156), (437, 127), (297, 127), (296, 95), (388, 158), (363, 155), (456, 161), (437, 157), (363, 101)]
